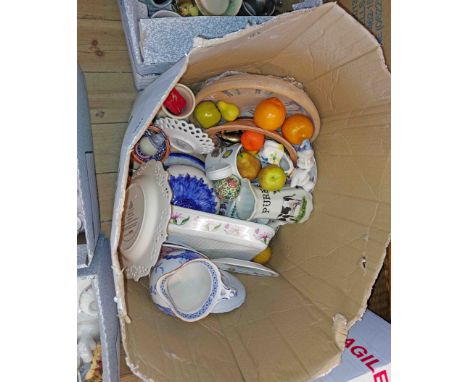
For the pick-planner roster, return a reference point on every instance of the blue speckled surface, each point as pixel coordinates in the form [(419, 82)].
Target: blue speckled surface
[(164, 41)]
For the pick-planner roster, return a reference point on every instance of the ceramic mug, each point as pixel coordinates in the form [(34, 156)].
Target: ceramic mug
[(273, 153), (187, 285), (222, 156), (289, 205)]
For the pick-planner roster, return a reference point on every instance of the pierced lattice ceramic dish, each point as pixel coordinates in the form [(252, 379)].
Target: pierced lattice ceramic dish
[(185, 136), (145, 219)]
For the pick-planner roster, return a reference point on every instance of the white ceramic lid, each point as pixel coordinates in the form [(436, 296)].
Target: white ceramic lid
[(220, 172), (145, 219)]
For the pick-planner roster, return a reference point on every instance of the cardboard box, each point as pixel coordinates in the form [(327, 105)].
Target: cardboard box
[(375, 15), (101, 272), (87, 186), (366, 357), (293, 327)]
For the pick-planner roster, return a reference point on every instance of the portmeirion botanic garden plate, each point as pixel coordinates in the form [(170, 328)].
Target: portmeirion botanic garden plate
[(245, 267), (218, 236), (146, 215)]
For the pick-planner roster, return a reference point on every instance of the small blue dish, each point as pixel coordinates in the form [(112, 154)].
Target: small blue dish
[(184, 159)]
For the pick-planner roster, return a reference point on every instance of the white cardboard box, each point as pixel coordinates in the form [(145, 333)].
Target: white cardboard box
[(366, 357)]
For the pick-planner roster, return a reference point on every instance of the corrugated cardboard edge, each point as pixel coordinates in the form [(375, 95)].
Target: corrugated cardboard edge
[(130, 139)]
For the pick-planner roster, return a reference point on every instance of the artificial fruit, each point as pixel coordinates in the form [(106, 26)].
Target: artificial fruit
[(207, 114), (272, 178), (229, 111), (248, 165)]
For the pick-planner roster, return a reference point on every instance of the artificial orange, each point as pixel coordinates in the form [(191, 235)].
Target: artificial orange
[(270, 114), (296, 128), (252, 141)]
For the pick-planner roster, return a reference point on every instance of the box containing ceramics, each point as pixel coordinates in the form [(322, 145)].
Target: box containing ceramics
[(159, 33), (194, 302)]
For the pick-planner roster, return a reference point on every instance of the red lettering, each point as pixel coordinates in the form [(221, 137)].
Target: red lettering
[(381, 376), (357, 353), (368, 364), (365, 359), (349, 342)]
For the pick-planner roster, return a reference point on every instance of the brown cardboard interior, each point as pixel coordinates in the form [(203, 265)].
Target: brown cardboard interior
[(292, 328)]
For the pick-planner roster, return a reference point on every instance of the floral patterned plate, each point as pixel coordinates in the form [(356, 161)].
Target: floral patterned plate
[(245, 267), (217, 236)]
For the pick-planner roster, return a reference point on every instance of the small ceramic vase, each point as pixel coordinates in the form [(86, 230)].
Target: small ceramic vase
[(289, 205), (273, 153), (227, 188), (187, 285), (226, 185)]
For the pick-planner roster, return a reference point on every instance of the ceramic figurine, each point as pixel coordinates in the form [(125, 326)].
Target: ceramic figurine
[(88, 323), (187, 285), (273, 153), (302, 176)]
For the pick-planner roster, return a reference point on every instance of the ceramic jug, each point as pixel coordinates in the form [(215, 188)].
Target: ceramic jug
[(187, 285), (288, 205)]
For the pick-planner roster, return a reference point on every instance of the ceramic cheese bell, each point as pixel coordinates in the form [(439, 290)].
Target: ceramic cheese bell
[(187, 285)]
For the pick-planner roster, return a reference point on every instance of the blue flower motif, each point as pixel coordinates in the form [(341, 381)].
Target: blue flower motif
[(191, 192)]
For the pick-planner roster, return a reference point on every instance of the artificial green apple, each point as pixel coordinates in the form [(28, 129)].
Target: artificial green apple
[(248, 165), (272, 178), (207, 114)]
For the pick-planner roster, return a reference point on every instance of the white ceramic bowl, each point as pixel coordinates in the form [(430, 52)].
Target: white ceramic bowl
[(218, 236)]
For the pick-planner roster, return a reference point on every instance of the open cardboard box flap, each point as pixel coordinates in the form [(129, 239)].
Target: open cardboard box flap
[(291, 328)]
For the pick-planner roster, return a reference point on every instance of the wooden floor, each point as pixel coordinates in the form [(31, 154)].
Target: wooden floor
[(103, 57)]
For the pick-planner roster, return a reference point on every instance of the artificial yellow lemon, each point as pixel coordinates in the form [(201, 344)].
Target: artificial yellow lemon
[(264, 256)]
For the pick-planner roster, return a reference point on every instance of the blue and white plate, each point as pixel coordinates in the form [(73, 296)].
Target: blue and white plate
[(192, 189)]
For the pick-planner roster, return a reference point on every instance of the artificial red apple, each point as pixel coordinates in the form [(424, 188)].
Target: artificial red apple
[(272, 178)]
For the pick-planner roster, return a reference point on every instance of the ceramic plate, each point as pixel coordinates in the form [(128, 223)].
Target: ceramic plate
[(218, 236), (192, 189), (146, 215), (245, 267), (185, 136)]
